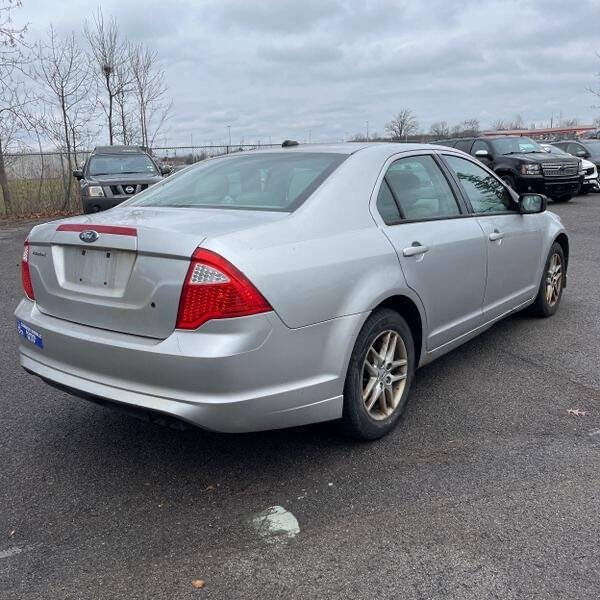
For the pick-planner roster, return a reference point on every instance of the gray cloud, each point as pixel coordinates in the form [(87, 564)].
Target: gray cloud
[(280, 68)]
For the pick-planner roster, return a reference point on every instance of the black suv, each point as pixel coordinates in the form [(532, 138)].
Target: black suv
[(112, 174), (524, 165)]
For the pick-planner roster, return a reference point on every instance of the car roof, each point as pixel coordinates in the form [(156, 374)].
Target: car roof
[(348, 148)]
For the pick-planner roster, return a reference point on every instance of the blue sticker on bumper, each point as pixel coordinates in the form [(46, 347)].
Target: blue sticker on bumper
[(29, 334)]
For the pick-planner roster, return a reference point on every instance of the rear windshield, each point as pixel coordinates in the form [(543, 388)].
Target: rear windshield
[(270, 181), (120, 164)]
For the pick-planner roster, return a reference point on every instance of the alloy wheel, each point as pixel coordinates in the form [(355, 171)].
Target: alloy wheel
[(554, 278), (384, 374)]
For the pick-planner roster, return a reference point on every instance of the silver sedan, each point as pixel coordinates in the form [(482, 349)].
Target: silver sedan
[(279, 288)]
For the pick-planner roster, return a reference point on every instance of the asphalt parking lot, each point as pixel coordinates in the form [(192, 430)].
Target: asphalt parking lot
[(487, 489)]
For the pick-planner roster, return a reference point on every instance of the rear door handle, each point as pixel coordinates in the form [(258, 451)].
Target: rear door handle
[(496, 235), (415, 250)]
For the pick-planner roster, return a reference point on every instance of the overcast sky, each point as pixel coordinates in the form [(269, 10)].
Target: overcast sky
[(283, 68)]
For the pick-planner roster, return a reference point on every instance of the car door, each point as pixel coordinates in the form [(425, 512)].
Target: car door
[(442, 253), (513, 240)]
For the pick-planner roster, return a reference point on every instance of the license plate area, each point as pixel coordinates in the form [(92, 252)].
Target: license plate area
[(98, 271)]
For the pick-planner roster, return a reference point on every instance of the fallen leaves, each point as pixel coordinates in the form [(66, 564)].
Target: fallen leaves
[(576, 412), (11, 533), (198, 583)]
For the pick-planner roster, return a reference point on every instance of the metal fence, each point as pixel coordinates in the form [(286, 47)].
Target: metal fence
[(42, 182)]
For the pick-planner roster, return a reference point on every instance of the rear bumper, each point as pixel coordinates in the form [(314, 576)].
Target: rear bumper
[(234, 375)]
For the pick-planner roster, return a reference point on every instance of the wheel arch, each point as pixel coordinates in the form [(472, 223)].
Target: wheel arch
[(563, 240), (409, 310)]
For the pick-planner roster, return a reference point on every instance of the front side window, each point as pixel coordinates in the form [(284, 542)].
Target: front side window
[(121, 164), (485, 192), (420, 189), (264, 181), (464, 145)]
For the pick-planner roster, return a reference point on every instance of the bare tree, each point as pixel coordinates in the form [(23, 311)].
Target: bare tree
[(12, 62), (150, 90), (517, 123), (569, 123), (66, 82), (402, 125), (499, 125), (109, 56), (125, 104), (440, 129), (471, 127)]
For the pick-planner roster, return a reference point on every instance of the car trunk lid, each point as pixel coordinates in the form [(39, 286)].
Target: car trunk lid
[(124, 270)]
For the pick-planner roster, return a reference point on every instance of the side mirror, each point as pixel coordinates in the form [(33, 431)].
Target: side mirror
[(78, 173), (482, 154), (165, 169), (530, 204), (581, 153)]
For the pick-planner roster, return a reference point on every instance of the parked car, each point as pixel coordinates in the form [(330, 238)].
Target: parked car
[(585, 149), (588, 170), (112, 174), (277, 288), (523, 165)]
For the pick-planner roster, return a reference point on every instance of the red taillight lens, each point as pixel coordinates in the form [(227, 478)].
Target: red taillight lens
[(215, 289), (25, 275)]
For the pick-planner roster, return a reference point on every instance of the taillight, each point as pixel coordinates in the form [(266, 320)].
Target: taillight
[(215, 289), (25, 275)]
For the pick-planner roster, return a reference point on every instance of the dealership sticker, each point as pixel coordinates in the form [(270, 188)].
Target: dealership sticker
[(29, 334)]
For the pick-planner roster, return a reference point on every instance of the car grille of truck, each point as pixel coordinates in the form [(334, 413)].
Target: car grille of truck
[(127, 190), (560, 169)]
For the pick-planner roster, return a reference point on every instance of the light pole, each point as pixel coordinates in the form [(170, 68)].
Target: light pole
[(367, 131), (229, 129)]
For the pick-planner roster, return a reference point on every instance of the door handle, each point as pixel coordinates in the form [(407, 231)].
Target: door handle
[(496, 235), (415, 250)]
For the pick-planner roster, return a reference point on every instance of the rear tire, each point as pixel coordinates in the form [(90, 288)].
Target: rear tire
[(562, 199), (379, 376), (551, 286)]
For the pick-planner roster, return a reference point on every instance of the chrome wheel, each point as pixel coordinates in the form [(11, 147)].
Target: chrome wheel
[(554, 278), (384, 374)]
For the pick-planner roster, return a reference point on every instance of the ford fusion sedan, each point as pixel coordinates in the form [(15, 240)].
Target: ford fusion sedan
[(278, 288)]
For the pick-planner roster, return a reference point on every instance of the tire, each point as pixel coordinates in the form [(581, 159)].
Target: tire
[(584, 191), (542, 305), (358, 421), (562, 199), (510, 181)]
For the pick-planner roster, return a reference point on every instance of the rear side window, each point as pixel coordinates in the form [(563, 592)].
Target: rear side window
[(269, 181), (386, 205), (485, 192), (420, 189)]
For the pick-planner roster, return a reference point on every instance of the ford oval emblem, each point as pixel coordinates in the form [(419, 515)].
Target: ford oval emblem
[(88, 236)]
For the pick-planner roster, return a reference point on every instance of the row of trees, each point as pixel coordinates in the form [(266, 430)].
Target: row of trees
[(404, 125), (65, 89)]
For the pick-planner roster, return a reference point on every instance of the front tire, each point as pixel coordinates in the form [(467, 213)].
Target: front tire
[(562, 199), (379, 376), (551, 286)]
